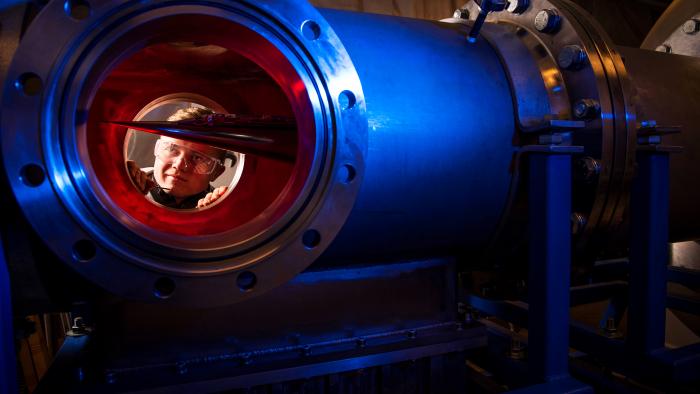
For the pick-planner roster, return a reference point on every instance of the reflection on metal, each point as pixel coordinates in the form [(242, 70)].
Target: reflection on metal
[(676, 31), (411, 153), (272, 137)]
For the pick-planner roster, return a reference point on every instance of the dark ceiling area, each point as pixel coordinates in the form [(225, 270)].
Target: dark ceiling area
[(626, 21)]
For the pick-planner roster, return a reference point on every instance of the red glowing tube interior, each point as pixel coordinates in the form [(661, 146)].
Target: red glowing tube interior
[(249, 77)]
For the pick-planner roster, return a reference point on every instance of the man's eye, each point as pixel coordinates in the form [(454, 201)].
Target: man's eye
[(172, 149), (199, 158)]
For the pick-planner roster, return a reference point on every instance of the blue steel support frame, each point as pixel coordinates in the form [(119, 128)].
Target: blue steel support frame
[(549, 265), (8, 360), (649, 253)]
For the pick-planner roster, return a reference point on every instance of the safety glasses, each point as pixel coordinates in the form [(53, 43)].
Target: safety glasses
[(168, 151)]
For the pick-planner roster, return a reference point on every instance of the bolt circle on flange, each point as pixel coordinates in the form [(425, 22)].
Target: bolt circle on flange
[(72, 54), (602, 77)]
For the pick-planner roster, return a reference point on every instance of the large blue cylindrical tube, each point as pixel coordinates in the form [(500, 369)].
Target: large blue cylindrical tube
[(440, 144)]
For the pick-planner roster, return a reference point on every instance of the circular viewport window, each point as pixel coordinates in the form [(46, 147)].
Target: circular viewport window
[(176, 173)]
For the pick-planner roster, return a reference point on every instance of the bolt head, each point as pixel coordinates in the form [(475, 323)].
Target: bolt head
[(461, 14), (586, 109), (578, 223), (691, 26), (518, 6), (571, 57), (589, 169), (547, 21), (665, 48)]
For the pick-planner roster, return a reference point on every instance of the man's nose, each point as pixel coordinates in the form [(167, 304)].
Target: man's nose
[(181, 162)]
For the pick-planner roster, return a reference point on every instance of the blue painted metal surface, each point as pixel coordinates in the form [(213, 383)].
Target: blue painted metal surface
[(8, 361), (549, 265), (649, 253), (439, 141)]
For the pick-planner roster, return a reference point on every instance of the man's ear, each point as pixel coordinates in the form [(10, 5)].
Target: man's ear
[(217, 172)]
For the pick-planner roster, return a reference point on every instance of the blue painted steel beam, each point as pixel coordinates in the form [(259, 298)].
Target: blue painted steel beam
[(669, 365), (649, 253), (8, 360), (549, 265)]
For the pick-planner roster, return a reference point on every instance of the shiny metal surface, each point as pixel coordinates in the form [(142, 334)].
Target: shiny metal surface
[(608, 137), (439, 147), (48, 130), (432, 171), (676, 30), (667, 93), (272, 138)]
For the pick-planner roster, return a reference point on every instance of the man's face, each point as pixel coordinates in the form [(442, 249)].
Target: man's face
[(174, 168)]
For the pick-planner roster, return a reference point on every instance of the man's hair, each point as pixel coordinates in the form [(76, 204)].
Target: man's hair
[(195, 112), (189, 113)]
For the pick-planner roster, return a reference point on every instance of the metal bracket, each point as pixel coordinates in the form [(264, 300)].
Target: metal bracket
[(649, 136)]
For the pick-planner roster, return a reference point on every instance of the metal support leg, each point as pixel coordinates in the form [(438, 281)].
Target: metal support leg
[(649, 253), (549, 265), (8, 360)]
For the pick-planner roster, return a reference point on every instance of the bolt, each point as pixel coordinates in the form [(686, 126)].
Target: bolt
[(306, 350), (411, 334), (246, 359), (547, 21), (110, 378), (665, 48), (361, 342), (590, 169), (578, 223), (610, 328), (469, 316), (518, 6), (78, 323), (516, 349), (571, 57), (691, 26), (181, 368), (586, 109), (649, 140), (461, 14), (648, 123), (79, 328)]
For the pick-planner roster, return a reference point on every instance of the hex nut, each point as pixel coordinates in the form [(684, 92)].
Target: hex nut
[(571, 57), (461, 14), (586, 109), (665, 48), (691, 26)]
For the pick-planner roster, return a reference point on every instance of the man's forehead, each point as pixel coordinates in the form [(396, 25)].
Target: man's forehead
[(203, 148)]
